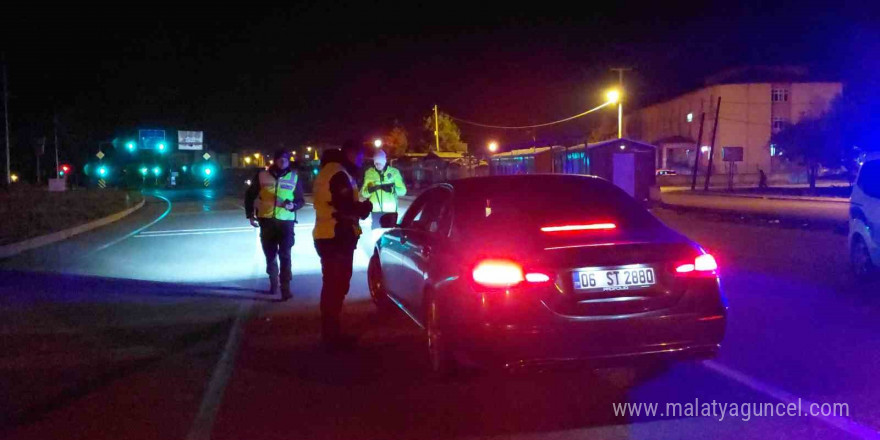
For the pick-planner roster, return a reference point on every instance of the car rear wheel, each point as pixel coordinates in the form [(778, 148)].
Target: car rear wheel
[(860, 258), (376, 283), (440, 355)]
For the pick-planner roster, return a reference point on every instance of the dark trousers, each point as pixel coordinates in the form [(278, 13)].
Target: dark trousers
[(337, 259), (276, 236)]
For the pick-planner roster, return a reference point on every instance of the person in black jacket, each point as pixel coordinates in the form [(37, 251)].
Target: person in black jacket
[(270, 203), (337, 212)]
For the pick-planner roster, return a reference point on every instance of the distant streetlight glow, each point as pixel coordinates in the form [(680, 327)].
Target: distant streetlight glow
[(13, 177), (256, 155), (247, 160), (493, 146), (309, 149), (377, 143)]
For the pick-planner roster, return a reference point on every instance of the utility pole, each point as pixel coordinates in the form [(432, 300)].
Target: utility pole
[(712, 145), (436, 128), (620, 71), (6, 116), (55, 127), (697, 151)]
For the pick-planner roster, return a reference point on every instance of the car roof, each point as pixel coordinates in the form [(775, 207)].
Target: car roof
[(520, 179)]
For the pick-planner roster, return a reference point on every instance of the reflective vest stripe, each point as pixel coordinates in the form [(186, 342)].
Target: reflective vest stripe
[(273, 193)]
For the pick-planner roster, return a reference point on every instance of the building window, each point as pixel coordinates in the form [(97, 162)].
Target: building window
[(690, 117), (773, 150), (778, 124), (779, 95)]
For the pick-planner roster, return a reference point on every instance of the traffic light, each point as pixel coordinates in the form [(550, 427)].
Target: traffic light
[(130, 146), (207, 171), (102, 171), (157, 171), (183, 168), (161, 147), (144, 171), (63, 170)]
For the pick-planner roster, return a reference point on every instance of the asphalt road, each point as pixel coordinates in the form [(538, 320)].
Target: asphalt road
[(154, 327)]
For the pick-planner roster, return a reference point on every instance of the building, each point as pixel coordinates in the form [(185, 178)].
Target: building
[(755, 103)]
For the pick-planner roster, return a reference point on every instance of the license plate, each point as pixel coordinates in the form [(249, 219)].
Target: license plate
[(614, 279)]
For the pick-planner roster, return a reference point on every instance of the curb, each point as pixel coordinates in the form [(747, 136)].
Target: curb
[(31, 243), (770, 197)]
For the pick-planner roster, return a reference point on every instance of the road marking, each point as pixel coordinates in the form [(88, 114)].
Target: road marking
[(206, 231), (204, 421), (171, 231), (844, 424), (138, 230)]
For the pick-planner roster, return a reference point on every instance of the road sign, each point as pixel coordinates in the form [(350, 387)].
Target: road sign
[(207, 182), (732, 154), (151, 139), (206, 156), (190, 140), (100, 155), (102, 183)]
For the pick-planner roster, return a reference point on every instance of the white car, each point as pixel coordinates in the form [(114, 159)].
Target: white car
[(864, 219)]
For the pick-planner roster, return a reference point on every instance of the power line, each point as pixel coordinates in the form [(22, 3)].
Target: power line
[(522, 127)]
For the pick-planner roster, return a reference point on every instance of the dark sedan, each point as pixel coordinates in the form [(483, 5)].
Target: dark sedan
[(532, 269)]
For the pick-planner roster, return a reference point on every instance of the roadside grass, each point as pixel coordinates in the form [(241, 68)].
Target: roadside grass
[(27, 212)]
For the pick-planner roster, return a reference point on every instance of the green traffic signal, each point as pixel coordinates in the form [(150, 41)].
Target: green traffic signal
[(157, 171), (130, 146), (144, 171), (161, 146), (101, 171)]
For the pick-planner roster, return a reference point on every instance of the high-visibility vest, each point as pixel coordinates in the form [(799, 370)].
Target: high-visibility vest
[(325, 221), (383, 201), (274, 193)]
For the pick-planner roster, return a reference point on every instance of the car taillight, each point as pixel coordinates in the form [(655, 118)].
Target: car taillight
[(582, 227), (504, 273), (704, 264)]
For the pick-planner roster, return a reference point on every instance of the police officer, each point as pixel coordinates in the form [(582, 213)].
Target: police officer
[(273, 197), (336, 233), (382, 186)]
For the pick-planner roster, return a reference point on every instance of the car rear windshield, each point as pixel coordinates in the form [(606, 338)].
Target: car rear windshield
[(515, 204)]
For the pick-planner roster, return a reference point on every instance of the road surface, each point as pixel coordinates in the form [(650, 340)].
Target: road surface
[(154, 327)]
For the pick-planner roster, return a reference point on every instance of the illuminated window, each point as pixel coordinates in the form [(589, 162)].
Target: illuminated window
[(690, 117), (773, 149), (779, 95)]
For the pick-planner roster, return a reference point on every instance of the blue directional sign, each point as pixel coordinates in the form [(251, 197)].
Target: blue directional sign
[(152, 140)]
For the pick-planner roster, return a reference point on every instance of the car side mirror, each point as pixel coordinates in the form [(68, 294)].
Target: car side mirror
[(388, 220)]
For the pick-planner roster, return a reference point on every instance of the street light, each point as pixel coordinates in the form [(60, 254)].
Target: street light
[(247, 160), (614, 96), (13, 177), (256, 155), (309, 149), (493, 146), (377, 143)]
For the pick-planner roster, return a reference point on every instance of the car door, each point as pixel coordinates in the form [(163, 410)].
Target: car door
[(420, 236), (392, 252), (866, 203)]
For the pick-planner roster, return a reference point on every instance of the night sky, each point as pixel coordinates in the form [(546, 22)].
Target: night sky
[(256, 78)]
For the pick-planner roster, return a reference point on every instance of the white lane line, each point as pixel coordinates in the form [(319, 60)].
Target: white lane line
[(204, 421), (136, 231), (207, 232), (844, 424), (195, 233), (171, 231)]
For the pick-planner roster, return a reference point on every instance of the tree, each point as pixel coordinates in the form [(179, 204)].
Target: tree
[(812, 141), (396, 142), (450, 134)]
